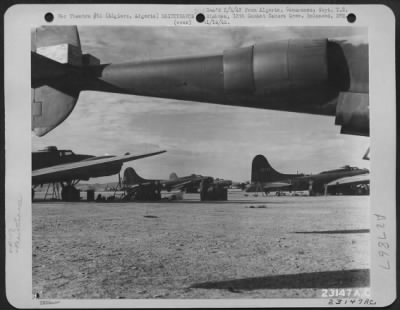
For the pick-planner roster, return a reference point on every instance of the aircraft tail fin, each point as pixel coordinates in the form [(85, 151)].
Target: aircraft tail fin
[(173, 176), (58, 77), (262, 171), (131, 177)]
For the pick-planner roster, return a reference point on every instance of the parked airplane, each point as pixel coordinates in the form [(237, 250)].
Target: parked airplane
[(266, 178), (132, 183), (324, 76), (52, 166), (132, 179), (138, 188)]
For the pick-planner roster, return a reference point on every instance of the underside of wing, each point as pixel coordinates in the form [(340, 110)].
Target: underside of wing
[(353, 180), (84, 170)]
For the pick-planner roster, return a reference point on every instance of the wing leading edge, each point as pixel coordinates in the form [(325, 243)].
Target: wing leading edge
[(84, 170), (353, 180)]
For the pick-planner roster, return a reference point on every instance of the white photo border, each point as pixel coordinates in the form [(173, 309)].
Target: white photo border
[(20, 19)]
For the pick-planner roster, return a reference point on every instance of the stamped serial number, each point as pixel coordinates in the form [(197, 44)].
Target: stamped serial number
[(344, 292)]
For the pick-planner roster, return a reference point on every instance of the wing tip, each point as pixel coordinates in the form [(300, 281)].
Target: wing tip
[(41, 131)]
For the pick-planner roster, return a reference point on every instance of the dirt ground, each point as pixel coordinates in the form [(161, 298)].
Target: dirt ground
[(247, 247)]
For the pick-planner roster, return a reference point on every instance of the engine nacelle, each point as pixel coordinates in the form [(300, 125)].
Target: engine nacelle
[(271, 66)]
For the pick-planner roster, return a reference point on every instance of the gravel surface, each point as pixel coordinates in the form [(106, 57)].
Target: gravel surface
[(248, 247)]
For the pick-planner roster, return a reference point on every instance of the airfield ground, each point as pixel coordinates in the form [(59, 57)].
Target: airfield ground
[(247, 247)]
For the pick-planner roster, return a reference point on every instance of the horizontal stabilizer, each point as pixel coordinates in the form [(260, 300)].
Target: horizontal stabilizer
[(276, 185)]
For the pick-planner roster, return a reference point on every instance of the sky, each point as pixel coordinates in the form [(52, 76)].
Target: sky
[(200, 138)]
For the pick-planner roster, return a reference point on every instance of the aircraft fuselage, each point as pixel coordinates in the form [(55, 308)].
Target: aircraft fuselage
[(51, 156), (316, 183)]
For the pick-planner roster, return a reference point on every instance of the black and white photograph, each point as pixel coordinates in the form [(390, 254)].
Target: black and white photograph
[(201, 163)]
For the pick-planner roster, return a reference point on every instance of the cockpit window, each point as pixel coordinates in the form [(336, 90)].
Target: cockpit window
[(68, 153)]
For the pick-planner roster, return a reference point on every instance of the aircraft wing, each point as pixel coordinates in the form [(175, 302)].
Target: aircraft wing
[(84, 170), (353, 180), (293, 75)]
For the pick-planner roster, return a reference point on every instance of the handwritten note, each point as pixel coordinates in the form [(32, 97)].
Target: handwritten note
[(14, 231), (382, 242)]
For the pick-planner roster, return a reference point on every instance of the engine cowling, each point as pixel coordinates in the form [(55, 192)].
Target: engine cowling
[(271, 66)]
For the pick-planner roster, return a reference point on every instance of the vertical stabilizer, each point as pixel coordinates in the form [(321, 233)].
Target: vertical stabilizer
[(261, 171), (173, 176), (131, 177)]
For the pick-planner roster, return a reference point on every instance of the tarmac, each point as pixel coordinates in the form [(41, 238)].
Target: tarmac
[(247, 247)]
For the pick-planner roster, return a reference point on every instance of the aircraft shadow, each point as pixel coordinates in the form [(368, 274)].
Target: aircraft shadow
[(164, 201), (316, 280), (349, 231), (221, 202), (252, 202)]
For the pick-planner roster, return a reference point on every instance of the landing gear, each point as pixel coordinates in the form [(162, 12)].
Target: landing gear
[(70, 193), (149, 192), (212, 191), (311, 191)]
